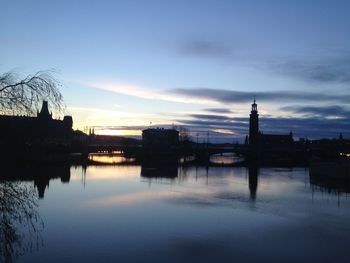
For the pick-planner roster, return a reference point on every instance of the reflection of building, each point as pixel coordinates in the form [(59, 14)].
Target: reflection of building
[(160, 139), (44, 175), (330, 176), (39, 174), (42, 129), (160, 172)]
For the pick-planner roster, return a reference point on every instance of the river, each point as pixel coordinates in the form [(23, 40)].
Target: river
[(129, 213)]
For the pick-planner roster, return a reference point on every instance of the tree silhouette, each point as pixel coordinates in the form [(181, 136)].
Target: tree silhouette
[(25, 95), (20, 223)]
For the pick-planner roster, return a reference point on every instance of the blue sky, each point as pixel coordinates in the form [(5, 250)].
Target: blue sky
[(198, 64)]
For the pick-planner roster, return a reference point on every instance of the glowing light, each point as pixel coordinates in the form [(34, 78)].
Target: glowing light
[(119, 132), (111, 159), (224, 131), (100, 117)]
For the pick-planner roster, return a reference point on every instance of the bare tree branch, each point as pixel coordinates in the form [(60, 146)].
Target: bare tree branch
[(25, 95)]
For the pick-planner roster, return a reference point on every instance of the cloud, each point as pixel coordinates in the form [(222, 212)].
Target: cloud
[(84, 116), (315, 122), (326, 111), (205, 125), (220, 128), (205, 48), (334, 69), (306, 125), (223, 131), (211, 117), (218, 110), (213, 96), (311, 127), (147, 93), (216, 121), (235, 96), (321, 66)]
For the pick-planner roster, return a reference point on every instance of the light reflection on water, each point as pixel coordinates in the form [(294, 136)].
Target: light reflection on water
[(202, 214), (225, 158), (106, 158)]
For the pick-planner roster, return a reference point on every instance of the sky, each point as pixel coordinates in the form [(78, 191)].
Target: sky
[(128, 65)]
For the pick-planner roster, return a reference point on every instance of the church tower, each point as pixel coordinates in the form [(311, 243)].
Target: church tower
[(44, 114), (254, 125)]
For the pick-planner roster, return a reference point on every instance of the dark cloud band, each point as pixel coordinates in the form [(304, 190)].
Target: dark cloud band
[(234, 96)]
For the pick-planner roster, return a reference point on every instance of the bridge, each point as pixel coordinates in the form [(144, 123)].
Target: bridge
[(110, 148), (201, 153)]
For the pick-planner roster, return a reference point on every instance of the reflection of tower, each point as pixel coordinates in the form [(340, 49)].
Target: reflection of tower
[(253, 181), (254, 125), (64, 173), (41, 182), (43, 174)]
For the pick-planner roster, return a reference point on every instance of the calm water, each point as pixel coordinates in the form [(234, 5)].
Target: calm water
[(191, 214)]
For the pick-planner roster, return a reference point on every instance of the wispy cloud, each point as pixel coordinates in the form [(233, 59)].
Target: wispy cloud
[(235, 96), (329, 69), (224, 131), (218, 110), (205, 48), (325, 111), (211, 117), (217, 96), (323, 66), (148, 93), (312, 127)]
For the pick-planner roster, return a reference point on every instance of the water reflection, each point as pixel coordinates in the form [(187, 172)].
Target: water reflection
[(332, 177), (39, 174), (159, 172), (20, 223), (253, 181), (166, 167), (165, 212), (225, 158), (110, 158)]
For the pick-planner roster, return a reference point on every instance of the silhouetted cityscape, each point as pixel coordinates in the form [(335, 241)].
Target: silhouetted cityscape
[(43, 138), (174, 131)]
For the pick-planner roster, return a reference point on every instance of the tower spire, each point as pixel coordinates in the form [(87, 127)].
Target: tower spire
[(254, 106), (254, 125), (44, 113)]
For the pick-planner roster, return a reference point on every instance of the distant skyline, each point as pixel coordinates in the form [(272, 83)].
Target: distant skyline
[(196, 64)]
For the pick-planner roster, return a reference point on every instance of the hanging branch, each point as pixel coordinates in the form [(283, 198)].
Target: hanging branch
[(25, 96)]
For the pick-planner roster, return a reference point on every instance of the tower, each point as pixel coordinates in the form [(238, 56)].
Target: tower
[(44, 114), (254, 125)]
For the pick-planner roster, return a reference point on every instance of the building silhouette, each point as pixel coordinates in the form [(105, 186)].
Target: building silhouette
[(254, 125), (160, 139), (258, 138), (28, 132), (267, 145)]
